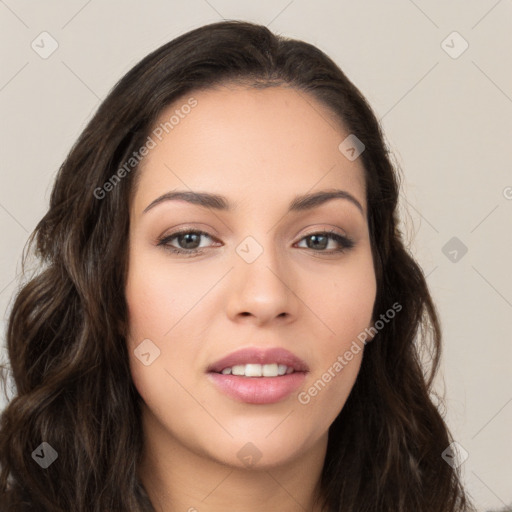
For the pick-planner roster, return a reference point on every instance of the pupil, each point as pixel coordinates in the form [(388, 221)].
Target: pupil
[(189, 239), (315, 239)]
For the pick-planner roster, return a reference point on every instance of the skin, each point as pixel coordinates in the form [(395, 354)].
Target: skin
[(259, 148)]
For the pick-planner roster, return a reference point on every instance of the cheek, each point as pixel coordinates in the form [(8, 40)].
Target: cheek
[(344, 300), (150, 309), (162, 347), (159, 297), (344, 303)]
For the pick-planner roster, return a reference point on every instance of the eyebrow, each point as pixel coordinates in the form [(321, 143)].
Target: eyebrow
[(219, 202)]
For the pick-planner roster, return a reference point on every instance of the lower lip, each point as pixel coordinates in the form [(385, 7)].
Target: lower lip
[(258, 390)]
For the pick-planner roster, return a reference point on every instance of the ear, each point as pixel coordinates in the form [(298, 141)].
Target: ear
[(370, 332), (365, 336)]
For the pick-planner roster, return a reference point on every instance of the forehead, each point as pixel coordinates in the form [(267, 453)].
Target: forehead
[(248, 143)]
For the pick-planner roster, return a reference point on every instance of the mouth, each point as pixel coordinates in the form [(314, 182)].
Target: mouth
[(257, 376), (258, 370)]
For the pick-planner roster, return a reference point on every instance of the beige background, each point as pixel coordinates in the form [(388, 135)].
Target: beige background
[(448, 120)]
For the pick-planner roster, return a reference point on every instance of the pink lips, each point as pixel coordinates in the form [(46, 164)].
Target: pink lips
[(258, 390)]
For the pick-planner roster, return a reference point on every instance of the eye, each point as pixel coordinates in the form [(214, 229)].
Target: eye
[(189, 242), (320, 241)]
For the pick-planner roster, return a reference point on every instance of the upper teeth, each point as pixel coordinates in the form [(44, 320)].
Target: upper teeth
[(258, 370)]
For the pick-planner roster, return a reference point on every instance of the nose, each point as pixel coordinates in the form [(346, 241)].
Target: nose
[(262, 290)]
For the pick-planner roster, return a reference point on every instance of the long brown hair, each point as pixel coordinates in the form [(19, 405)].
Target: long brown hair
[(67, 328)]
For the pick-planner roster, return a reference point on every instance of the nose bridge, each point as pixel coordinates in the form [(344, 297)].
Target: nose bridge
[(261, 285)]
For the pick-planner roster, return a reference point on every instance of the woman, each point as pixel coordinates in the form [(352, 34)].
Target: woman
[(227, 317)]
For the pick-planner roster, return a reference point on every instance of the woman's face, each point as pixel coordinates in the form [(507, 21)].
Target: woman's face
[(264, 276)]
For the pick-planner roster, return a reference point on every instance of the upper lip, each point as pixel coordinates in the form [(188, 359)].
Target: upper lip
[(259, 356)]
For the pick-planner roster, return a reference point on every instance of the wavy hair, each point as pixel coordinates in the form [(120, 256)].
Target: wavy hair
[(66, 332)]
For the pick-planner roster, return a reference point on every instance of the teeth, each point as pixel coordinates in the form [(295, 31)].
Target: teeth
[(258, 370), (270, 370)]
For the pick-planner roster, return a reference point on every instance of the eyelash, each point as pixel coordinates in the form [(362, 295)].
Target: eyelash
[(346, 243)]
